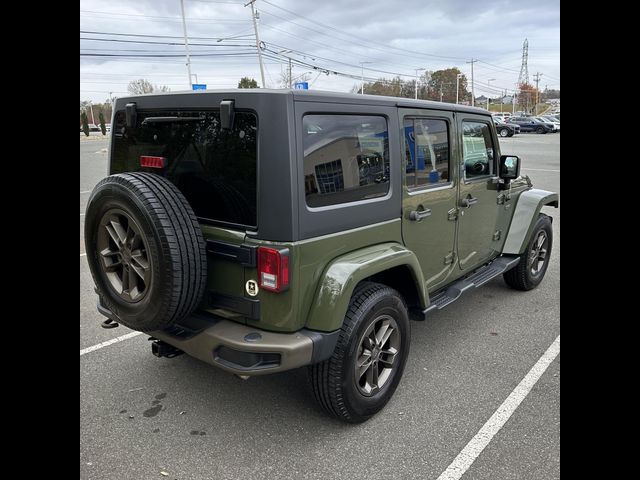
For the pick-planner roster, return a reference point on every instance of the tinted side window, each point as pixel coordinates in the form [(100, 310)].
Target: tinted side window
[(346, 158), (426, 152), (477, 148)]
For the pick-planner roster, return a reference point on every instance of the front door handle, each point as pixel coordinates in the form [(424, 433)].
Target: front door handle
[(418, 215), (467, 202)]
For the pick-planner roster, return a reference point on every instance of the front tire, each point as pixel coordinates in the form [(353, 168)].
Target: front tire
[(369, 359), (533, 263), (504, 132), (541, 130)]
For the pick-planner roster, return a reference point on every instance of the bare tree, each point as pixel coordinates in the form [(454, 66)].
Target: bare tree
[(141, 86), (284, 78)]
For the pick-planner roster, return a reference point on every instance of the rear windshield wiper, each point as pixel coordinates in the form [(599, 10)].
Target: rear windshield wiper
[(170, 119)]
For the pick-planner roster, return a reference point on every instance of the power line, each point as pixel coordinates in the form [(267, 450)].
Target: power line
[(225, 37), (148, 42), (172, 18), (369, 47), (166, 55), (315, 22), (498, 67)]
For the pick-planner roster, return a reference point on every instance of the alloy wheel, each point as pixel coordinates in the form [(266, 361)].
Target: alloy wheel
[(538, 253), (378, 349), (123, 255)]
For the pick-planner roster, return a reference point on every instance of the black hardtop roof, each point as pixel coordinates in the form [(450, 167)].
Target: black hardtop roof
[(320, 96)]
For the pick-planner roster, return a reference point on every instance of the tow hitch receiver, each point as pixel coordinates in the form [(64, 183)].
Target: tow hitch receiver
[(162, 349)]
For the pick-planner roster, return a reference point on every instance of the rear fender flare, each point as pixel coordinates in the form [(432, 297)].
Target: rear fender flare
[(345, 272)]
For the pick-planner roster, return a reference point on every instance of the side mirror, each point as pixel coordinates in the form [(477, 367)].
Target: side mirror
[(226, 114), (509, 167)]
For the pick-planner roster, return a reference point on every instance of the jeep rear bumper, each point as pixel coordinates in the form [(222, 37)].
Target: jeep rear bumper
[(245, 350), (242, 349)]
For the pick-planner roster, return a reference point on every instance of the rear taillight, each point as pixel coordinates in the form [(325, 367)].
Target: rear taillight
[(153, 162), (273, 269)]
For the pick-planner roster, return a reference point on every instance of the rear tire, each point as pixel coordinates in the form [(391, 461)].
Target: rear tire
[(533, 263), (369, 359), (145, 250), (541, 130), (504, 132)]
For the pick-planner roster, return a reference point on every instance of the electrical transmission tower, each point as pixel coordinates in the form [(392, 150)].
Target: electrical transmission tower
[(524, 69)]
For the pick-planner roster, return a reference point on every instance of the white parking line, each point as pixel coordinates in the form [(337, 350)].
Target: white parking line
[(83, 254), (109, 342), (540, 170), (475, 446), (82, 214), (85, 191)]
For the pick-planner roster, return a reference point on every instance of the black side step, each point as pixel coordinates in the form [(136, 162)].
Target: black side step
[(481, 276)]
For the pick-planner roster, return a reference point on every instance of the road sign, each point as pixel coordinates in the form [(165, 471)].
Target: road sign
[(301, 86), (199, 86)]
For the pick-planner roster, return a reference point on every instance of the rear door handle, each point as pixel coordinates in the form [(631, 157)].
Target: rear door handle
[(418, 215), (467, 202)]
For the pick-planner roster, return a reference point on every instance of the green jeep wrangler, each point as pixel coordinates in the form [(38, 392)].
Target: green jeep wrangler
[(266, 230)]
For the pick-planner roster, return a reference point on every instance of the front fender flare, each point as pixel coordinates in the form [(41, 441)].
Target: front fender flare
[(524, 218), (343, 274)]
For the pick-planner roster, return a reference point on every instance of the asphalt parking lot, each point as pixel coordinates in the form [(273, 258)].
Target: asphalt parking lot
[(141, 415)]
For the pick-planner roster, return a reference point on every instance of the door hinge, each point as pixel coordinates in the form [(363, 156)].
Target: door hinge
[(497, 234), (450, 258), (452, 214)]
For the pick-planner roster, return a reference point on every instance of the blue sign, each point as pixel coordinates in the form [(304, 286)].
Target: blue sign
[(199, 86), (301, 86)]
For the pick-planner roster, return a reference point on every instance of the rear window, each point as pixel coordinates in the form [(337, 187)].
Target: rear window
[(346, 158), (215, 169)]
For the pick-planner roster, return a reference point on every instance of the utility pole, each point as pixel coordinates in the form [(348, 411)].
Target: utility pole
[(489, 83), (362, 67), (186, 42), (290, 72), (92, 119), (416, 89), (457, 86), (473, 95), (255, 28), (536, 77)]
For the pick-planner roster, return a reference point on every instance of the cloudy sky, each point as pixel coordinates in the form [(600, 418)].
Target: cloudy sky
[(125, 40)]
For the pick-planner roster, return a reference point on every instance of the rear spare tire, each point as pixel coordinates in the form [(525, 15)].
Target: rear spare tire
[(145, 250)]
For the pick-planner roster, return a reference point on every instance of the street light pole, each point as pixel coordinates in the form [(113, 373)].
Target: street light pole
[(186, 42), (362, 74), (416, 89), (458, 86)]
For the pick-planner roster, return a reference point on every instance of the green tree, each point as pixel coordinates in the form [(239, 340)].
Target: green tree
[(102, 125), (445, 81), (246, 82), (85, 123)]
